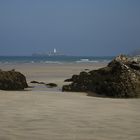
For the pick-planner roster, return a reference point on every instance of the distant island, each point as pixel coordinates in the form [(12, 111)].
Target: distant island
[(53, 53), (135, 52)]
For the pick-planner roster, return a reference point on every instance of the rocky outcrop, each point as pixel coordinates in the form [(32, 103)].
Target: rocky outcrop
[(12, 80), (120, 79), (51, 85)]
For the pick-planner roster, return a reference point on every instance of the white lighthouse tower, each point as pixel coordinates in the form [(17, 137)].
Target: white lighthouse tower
[(54, 51)]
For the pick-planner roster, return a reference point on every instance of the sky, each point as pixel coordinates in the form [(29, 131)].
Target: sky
[(74, 27)]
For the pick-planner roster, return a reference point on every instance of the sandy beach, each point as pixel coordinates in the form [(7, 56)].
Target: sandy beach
[(41, 113)]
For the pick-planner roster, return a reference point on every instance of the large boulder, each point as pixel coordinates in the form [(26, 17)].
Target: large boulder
[(120, 79), (12, 80)]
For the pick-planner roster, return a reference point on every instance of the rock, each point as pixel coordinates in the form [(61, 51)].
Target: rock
[(120, 79), (13, 70), (12, 80), (86, 69), (42, 83), (135, 66), (34, 82), (72, 79), (51, 85), (68, 80), (121, 58)]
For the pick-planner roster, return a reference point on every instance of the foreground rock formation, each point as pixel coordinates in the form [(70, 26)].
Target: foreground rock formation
[(12, 80), (120, 79)]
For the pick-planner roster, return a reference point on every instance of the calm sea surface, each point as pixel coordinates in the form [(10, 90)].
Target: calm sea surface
[(54, 59)]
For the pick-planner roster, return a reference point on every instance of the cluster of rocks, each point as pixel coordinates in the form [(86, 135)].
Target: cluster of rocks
[(49, 85), (120, 79), (12, 80)]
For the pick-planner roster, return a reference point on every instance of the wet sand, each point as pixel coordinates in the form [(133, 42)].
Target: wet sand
[(49, 114)]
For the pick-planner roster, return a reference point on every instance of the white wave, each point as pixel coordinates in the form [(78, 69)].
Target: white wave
[(32, 62), (87, 61), (52, 62), (6, 62), (106, 61)]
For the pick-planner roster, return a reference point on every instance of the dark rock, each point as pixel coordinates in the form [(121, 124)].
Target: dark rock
[(120, 79), (86, 69), (42, 83), (68, 80), (74, 77), (135, 66), (34, 82), (12, 80), (13, 70), (51, 85)]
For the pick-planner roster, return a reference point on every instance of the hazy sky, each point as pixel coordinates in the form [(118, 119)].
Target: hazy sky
[(75, 27)]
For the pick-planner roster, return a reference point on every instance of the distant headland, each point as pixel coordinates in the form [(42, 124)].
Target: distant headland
[(135, 52), (52, 53)]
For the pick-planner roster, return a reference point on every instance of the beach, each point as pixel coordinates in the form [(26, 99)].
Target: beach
[(42, 113)]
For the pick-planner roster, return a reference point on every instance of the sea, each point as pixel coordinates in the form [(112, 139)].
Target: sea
[(54, 59)]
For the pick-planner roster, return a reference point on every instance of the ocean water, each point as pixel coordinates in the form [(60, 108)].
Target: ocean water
[(54, 59)]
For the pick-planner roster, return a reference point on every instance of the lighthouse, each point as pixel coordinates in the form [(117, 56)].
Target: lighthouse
[(54, 51)]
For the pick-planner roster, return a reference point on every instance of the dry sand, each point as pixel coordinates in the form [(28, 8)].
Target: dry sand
[(44, 114)]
